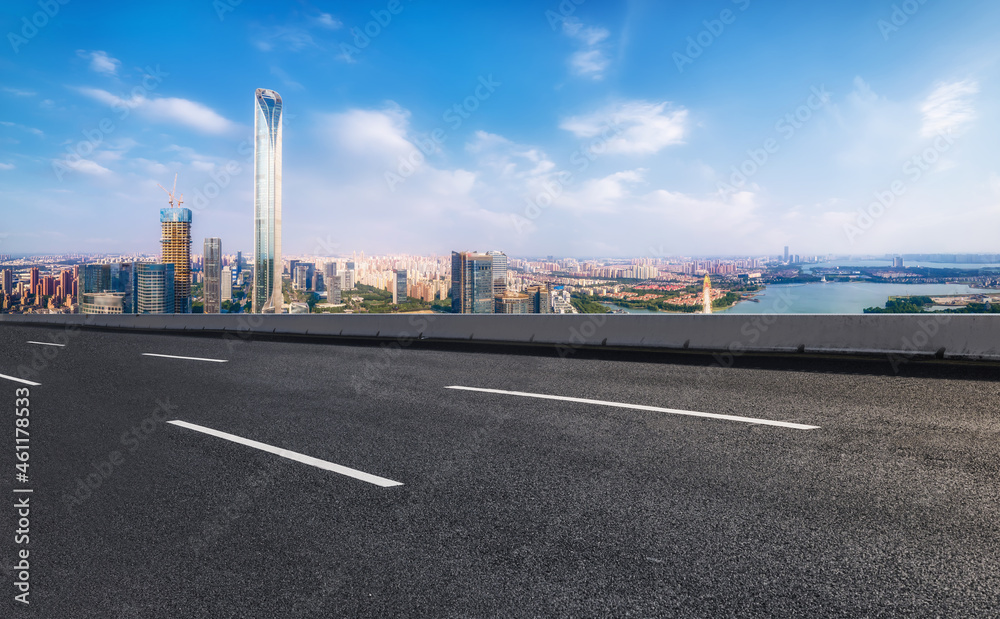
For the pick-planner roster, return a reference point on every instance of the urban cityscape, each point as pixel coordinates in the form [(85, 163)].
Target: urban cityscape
[(396, 308), (469, 282)]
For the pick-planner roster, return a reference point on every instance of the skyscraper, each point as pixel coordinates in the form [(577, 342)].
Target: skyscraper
[(6, 281), (267, 297), (499, 271), (471, 283), (226, 285), (34, 281), (155, 288), (786, 253), (399, 291), (213, 275), (175, 240)]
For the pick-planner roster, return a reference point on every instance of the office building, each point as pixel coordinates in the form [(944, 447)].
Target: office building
[(329, 271), (333, 289), (512, 303), (213, 275), (103, 303), (239, 263), (175, 241), (499, 271), (786, 253), (226, 285), (897, 262), (155, 287), (349, 279), (6, 281), (472, 283), (399, 291), (300, 277), (266, 290)]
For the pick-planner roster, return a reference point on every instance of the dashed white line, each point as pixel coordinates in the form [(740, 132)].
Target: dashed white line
[(643, 407), (152, 354), (46, 343), (291, 455), (20, 380)]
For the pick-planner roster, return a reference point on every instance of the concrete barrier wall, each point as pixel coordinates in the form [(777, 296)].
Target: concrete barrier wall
[(965, 336)]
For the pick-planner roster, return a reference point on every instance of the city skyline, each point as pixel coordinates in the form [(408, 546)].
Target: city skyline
[(479, 153)]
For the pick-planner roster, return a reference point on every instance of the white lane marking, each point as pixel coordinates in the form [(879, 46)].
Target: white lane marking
[(20, 380), (291, 455), (46, 343), (151, 354), (643, 407)]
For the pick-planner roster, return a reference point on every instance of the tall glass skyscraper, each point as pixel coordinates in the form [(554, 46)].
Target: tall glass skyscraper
[(213, 275), (267, 297), (471, 283)]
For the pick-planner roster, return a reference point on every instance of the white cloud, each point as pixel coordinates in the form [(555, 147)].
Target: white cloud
[(171, 109), (329, 21), (7, 166), (289, 37), (588, 35), (590, 61), (100, 62), (949, 108), (636, 127), (32, 130), (17, 92), (86, 166)]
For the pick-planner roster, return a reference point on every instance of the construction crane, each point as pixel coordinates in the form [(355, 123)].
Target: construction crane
[(170, 194)]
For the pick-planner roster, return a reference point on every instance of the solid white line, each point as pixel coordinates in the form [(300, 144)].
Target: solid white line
[(20, 380), (291, 455), (642, 407), (46, 343), (151, 354)]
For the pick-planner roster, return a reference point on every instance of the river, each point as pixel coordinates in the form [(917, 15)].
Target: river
[(831, 297)]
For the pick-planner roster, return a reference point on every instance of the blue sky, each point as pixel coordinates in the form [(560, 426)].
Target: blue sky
[(598, 128)]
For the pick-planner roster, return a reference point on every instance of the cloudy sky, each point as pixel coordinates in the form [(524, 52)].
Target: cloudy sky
[(586, 127)]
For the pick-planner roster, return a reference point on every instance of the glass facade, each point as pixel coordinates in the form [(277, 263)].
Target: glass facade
[(213, 275), (267, 296), (472, 283), (155, 288)]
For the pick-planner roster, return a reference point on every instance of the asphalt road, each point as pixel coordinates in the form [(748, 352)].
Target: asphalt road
[(509, 505)]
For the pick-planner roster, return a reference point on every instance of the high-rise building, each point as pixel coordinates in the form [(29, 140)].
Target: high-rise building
[(155, 288), (66, 283), (399, 291), (6, 281), (226, 285), (175, 240), (213, 275), (349, 279), (472, 283), (539, 299), (786, 253), (333, 289), (499, 271), (267, 296), (329, 272), (512, 303), (300, 277), (239, 263), (34, 281)]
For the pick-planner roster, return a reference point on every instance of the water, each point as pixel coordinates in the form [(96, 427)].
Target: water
[(848, 263), (839, 297)]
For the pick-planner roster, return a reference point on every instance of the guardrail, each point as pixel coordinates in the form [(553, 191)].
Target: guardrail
[(947, 336)]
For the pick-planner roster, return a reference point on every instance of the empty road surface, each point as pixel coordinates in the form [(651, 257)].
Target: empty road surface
[(180, 476)]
